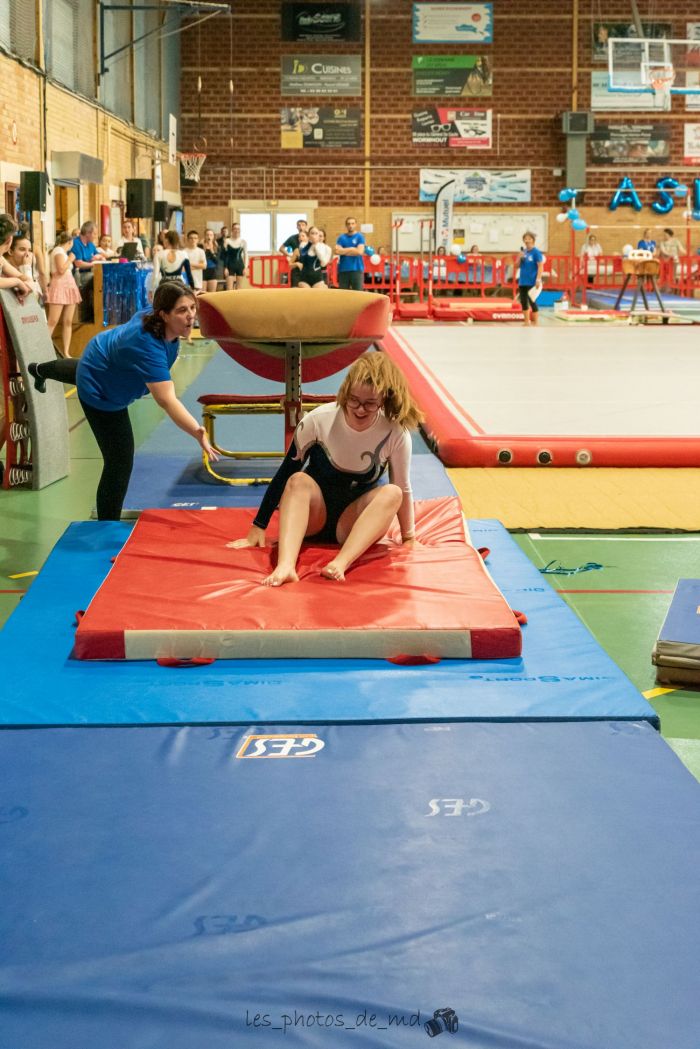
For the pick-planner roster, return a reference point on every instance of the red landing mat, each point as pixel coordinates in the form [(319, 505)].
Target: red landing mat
[(176, 591)]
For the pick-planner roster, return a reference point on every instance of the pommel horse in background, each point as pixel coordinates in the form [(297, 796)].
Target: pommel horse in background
[(640, 263), (282, 335)]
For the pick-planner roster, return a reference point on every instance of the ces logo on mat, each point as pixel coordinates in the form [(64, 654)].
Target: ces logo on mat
[(298, 745)]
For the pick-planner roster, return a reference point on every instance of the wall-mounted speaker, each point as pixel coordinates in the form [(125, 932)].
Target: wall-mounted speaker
[(139, 198), (32, 190), (160, 211)]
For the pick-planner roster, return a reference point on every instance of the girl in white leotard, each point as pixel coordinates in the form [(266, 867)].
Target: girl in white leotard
[(327, 487)]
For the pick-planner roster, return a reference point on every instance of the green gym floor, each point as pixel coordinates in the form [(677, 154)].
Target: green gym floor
[(623, 603)]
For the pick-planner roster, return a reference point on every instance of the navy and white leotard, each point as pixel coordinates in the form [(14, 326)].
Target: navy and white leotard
[(345, 463)]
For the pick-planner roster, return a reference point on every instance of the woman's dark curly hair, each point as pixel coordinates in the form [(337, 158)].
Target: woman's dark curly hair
[(7, 226), (166, 297)]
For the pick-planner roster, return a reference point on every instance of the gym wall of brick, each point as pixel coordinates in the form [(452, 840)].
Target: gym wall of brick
[(73, 124), (533, 83)]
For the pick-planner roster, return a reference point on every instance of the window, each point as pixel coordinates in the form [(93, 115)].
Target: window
[(256, 231), (70, 28), (264, 231), (18, 28)]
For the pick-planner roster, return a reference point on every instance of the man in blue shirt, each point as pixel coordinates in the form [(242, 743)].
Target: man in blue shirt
[(351, 248), (86, 255), (530, 278)]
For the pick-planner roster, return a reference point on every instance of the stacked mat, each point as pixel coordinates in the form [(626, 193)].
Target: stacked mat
[(676, 654)]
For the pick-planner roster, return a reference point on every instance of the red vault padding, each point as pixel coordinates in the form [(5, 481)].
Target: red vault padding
[(176, 591)]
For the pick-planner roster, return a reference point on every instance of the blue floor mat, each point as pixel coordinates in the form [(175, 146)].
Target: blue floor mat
[(563, 674), (161, 890)]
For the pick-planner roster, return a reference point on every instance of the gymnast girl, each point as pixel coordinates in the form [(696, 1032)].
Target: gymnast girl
[(117, 367), (327, 487), (311, 259)]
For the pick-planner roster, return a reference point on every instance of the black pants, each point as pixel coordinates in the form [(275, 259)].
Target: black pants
[(525, 300), (115, 439), (351, 280)]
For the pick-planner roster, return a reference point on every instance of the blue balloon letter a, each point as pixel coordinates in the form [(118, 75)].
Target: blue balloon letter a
[(625, 196)]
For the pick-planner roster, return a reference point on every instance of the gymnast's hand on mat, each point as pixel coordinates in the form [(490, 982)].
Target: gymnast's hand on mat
[(203, 440), (255, 537)]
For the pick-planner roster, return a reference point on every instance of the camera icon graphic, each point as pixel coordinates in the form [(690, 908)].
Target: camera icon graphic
[(443, 1020)]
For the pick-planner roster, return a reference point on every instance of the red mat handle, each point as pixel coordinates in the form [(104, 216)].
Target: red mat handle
[(412, 661), (484, 551), (520, 616), (196, 661), (79, 615)]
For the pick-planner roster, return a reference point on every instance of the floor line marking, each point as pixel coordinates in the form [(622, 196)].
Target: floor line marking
[(22, 575), (587, 538), (652, 693), (602, 591)]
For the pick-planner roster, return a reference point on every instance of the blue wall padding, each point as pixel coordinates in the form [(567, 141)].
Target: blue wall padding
[(563, 674), (158, 890)]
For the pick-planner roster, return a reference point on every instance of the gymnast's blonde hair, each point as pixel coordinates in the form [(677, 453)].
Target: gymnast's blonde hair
[(377, 370)]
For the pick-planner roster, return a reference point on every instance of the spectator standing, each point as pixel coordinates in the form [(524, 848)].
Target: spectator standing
[(172, 262), (350, 246), (235, 258), (590, 251), (85, 256), (63, 294), (647, 243), (198, 260), (291, 244), (214, 269)]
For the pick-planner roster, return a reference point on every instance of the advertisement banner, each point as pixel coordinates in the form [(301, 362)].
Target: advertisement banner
[(631, 144), (444, 210), (321, 21), (452, 75), (452, 23), (624, 101), (691, 145), (465, 128), (479, 186), (692, 62), (321, 127), (321, 75), (604, 31)]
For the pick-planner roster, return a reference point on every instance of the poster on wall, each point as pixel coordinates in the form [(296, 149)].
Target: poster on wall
[(320, 21), (631, 144), (692, 61), (321, 75), (691, 144), (457, 128), (479, 186), (452, 75), (623, 102), (604, 31), (452, 23), (321, 127)]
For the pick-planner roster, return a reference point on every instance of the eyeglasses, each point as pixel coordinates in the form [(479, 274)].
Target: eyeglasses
[(369, 406)]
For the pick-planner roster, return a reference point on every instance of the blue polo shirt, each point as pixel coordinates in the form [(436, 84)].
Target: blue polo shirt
[(646, 245), (350, 263), (529, 261), (117, 364), (84, 252)]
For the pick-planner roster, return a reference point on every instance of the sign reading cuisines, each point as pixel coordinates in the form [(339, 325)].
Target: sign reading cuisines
[(322, 75)]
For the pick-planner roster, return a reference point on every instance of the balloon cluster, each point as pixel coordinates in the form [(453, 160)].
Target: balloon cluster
[(374, 258), (568, 196)]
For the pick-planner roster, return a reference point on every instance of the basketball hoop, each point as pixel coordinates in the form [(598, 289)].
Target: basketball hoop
[(192, 165)]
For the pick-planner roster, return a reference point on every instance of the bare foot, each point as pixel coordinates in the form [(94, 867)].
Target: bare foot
[(333, 571), (281, 575)]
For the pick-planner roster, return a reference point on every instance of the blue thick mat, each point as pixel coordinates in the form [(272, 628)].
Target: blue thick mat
[(536, 879), (564, 674), (605, 300)]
